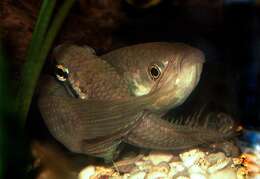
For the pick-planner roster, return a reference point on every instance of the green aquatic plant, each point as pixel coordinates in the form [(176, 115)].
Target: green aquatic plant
[(43, 37), (14, 108), (3, 105)]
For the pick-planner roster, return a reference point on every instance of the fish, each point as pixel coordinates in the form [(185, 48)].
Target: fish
[(95, 104)]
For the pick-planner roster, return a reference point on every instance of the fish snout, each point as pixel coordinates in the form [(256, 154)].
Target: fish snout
[(189, 75), (193, 63), (194, 58)]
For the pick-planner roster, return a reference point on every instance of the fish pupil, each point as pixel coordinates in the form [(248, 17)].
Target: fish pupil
[(155, 72)]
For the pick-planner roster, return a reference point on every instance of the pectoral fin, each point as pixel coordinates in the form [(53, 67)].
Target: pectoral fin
[(89, 118)]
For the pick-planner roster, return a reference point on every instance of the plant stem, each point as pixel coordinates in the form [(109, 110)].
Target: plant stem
[(33, 64), (55, 27), (33, 67), (3, 107)]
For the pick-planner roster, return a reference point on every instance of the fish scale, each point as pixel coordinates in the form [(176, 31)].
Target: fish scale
[(102, 86)]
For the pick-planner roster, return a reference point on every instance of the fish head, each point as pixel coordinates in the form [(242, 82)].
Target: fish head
[(172, 70), (72, 62), (179, 78), (71, 59)]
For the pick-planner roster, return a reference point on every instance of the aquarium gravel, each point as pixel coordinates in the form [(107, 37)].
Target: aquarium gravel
[(192, 164)]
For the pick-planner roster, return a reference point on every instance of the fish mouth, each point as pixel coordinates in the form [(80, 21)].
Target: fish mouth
[(194, 64), (187, 78), (195, 68)]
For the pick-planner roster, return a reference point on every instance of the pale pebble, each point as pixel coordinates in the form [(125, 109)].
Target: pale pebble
[(87, 172), (196, 169), (126, 176), (172, 173), (228, 173), (161, 167), (203, 163), (219, 165), (157, 157), (177, 166), (144, 165), (182, 177), (191, 157), (156, 175), (137, 175), (214, 157), (101, 170), (197, 176)]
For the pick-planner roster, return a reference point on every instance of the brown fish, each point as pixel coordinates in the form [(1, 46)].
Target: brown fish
[(97, 103)]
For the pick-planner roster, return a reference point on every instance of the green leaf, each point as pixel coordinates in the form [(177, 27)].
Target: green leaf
[(3, 107), (55, 27), (33, 64), (38, 51)]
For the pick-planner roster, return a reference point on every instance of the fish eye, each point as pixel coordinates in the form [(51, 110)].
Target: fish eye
[(154, 71), (61, 72)]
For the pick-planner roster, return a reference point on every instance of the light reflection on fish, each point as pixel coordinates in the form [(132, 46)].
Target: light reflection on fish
[(101, 102)]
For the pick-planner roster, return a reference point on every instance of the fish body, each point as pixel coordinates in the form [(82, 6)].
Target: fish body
[(96, 103)]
